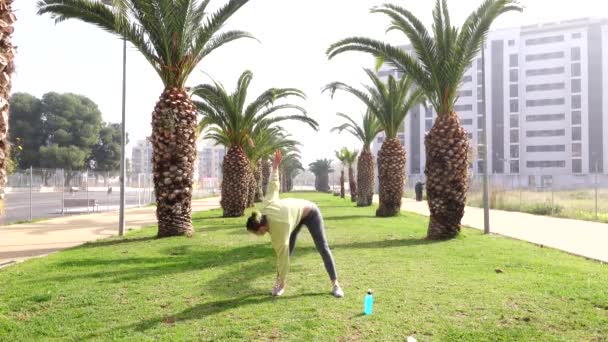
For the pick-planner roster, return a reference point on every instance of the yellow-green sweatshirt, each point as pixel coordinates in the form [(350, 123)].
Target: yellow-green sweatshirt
[(283, 216)]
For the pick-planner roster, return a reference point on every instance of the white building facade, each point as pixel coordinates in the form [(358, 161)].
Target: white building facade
[(547, 116)]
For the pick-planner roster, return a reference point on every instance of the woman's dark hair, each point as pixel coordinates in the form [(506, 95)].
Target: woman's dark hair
[(254, 222)]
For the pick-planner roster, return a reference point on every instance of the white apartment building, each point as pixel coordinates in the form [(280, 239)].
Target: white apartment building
[(210, 159), (547, 118), (141, 157)]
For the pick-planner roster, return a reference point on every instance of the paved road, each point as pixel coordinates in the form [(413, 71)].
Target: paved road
[(24, 241), (48, 204), (583, 238)]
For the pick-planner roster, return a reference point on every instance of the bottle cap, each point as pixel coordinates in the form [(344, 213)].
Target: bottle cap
[(369, 291)]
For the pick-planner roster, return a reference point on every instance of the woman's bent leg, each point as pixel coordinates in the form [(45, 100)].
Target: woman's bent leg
[(314, 223)]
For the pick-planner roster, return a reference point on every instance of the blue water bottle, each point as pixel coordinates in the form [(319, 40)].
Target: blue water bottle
[(369, 302)]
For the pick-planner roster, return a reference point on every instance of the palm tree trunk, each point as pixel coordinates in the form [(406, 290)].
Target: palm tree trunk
[(7, 67), (259, 196), (174, 151), (446, 171), (266, 170), (324, 181), (391, 175), (235, 182), (365, 179), (342, 190), (352, 183), (251, 190)]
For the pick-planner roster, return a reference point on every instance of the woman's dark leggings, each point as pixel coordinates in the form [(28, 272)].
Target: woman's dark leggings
[(314, 223)]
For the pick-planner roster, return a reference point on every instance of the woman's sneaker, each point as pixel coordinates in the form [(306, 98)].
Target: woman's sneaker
[(337, 291), (277, 292)]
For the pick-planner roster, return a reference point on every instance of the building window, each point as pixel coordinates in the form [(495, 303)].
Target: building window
[(513, 75), (480, 166), (480, 107), (514, 60), (545, 102), (467, 121), (470, 136), (515, 151), (380, 140), (429, 112), (428, 124), (545, 117), (575, 53), (546, 133), (576, 134), (576, 101), (545, 56), (576, 69), (467, 79), (514, 136), (546, 163), (480, 121), (511, 42), (576, 35), (464, 93), (465, 108), (514, 166), (576, 85), (576, 117), (514, 90), (514, 106), (577, 150), (577, 166), (545, 71), (479, 64), (545, 40), (545, 87), (546, 148), (479, 78), (514, 121)]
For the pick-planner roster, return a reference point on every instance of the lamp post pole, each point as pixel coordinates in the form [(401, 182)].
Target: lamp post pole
[(486, 182), (123, 133)]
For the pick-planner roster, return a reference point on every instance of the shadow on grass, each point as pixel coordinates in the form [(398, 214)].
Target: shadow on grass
[(204, 310), (114, 242), (187, 258), (350, 217)]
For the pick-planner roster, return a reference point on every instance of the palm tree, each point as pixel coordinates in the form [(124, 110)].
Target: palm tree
[(438, 65), (291, 166), (389, 103), (266, 140), (342, 156), (231, 123), (366, 133), (173, 37), (321, 169), (7, 67), (350, 160)]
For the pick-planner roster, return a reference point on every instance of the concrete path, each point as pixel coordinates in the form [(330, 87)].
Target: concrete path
[(583, 238), (24, 241)]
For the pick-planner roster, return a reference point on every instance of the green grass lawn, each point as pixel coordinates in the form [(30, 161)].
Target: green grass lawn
[(215, 286)]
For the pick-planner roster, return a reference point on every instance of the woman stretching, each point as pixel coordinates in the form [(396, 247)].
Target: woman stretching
[(283, 219)]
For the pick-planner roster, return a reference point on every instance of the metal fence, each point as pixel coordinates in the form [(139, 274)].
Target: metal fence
[(582, 197), (45, 193)]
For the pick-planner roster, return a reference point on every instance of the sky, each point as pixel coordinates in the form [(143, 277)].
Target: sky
[(293, 36)]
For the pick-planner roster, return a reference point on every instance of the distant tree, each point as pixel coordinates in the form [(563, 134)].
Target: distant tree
[(69, 158), (26, 129), (105, 154), (49, 131)]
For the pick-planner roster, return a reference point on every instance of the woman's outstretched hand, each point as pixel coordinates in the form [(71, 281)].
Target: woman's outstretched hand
[(278, 156)]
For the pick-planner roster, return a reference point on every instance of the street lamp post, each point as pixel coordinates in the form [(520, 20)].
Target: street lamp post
[(123, 134), (486, 182)]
